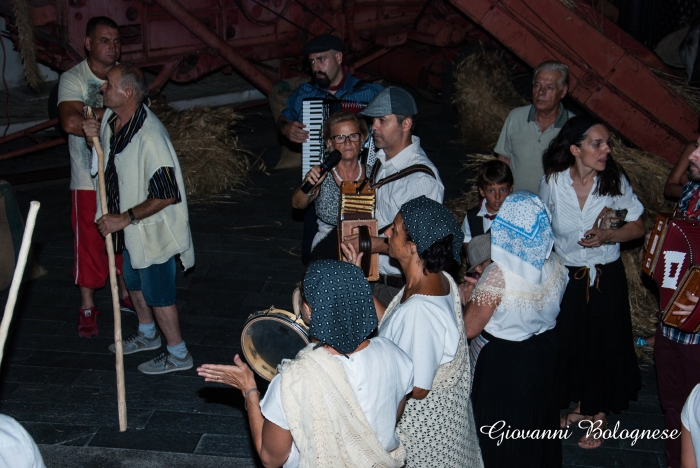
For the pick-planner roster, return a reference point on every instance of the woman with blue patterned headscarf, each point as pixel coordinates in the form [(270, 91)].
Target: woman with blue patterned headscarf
[(425, 320), (336, 404), (510, 318), (597, 366)]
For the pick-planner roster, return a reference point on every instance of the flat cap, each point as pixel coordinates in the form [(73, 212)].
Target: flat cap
[(392, 100), (478, 251), (323, 43)]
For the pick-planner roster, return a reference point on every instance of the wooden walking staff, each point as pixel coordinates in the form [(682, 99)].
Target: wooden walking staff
[(121, 392), (17, 277)]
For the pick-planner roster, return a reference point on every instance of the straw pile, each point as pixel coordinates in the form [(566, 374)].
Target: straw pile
[(467, 200), (27, 46), (484, 95), (207, 148), (680, 86)]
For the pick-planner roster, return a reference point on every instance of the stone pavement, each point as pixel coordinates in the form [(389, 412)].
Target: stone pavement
[(62, 387)]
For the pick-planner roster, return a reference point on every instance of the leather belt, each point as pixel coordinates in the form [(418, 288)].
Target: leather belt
[(393, 281)]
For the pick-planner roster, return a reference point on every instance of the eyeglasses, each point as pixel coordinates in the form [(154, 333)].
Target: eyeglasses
[(341, 138)]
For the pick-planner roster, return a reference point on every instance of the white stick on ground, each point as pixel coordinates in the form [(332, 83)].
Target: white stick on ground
[(17, 277)]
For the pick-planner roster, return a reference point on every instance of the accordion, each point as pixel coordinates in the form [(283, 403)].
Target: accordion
[(358, 203), (314, 113), (671, 258)]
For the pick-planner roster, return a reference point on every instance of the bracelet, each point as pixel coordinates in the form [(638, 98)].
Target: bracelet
[(247, 394)]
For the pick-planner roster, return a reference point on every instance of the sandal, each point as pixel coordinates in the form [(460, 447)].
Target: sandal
[(565, 419), (585, 441)]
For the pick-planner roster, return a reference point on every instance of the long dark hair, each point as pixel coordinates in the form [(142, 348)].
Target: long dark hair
[(558, 157)]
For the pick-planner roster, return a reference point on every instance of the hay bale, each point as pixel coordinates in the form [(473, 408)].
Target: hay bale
[(27, 46), (207, 147), (484, 95), (680, 86), (467, 200)]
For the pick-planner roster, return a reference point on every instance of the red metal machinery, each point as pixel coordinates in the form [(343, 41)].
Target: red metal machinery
[(407, 41)]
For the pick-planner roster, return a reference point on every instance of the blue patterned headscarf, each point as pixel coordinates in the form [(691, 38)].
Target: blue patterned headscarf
[(342, 309), (428, 221), (521, 236)]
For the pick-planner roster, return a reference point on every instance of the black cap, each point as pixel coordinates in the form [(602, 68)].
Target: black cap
[(323, 43)]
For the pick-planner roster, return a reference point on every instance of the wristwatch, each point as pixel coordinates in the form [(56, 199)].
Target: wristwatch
[(133, 218)]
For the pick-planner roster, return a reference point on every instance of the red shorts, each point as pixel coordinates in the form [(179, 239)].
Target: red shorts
[(91, 265)]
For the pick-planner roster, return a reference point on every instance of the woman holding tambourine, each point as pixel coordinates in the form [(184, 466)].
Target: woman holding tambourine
[(597, 365), (347, 133)]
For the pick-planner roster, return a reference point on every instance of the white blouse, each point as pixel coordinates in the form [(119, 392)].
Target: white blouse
[(570, 222), (525, 308), (380, 376), (425, 328)]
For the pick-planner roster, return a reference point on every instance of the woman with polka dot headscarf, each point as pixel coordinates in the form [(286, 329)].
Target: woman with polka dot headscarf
[(425, 320)]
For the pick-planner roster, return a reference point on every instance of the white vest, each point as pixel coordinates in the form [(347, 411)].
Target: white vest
[(157, 238)]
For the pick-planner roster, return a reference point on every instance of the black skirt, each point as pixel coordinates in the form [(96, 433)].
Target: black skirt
[(597, 364), (514, 388)]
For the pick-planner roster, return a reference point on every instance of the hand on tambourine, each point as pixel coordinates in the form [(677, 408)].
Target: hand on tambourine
[(595, 237), (350, 255), (239, 375), (686, 309)]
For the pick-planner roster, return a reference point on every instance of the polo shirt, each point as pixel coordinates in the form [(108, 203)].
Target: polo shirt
[(523, 142)]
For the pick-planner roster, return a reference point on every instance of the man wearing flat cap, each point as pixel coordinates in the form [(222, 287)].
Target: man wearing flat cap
[(330, 80), (393, 112)]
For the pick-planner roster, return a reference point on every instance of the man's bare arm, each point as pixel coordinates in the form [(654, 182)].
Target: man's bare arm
[(115, 222), (70, 114)]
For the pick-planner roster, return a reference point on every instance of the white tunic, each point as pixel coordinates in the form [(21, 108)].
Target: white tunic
[(17, 448), (570, 222), (380, 376), (424, 327), (391, 196)]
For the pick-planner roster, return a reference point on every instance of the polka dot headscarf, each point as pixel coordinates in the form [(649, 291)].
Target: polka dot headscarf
[(428, 221), (342, 309)]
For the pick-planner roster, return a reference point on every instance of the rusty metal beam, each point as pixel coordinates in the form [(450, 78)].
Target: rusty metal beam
[(33, 148), (206, 35), (607, 79), (28, 131)]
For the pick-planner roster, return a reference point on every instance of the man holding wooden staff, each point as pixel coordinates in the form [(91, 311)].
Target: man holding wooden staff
[(147, 214)]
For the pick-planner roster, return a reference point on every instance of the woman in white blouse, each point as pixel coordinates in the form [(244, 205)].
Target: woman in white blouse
[(510, 318), (425, 320), (336, 404), (597, 366)]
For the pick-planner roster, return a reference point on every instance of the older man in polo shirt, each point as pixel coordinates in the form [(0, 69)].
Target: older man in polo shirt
[(529, 129)]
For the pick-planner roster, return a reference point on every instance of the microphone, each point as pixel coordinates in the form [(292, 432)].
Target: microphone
[(331, 161)]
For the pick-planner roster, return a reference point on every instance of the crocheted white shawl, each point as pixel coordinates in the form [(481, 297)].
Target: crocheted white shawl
[(325, 418)]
